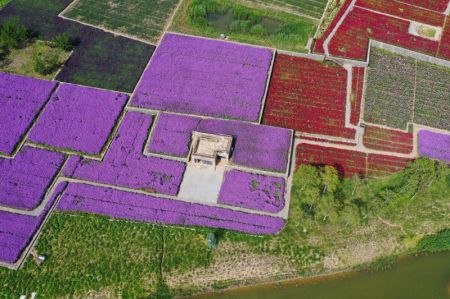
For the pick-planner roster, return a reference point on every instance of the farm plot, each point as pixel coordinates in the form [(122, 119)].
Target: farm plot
[(205, 77), (434, 145), (307, 96), (125, 164), (402, 10), (436, 5), (21, 99), (17, 231), (432, 103), (351, 39), (388, 140), (389, 89), (402, 89), (100, 59), (78, 119), (255, 146), (252, 191), (357, 94), (348, 163), (119, 204), (313, 8), (379, 166), (25, 179), (144, 19)]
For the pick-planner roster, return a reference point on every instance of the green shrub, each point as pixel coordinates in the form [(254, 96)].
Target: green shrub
[(240, 26), (4, 51), (259, 30), (45, 63), (381, 264), (436, 242), (62, 41), (13, 35)]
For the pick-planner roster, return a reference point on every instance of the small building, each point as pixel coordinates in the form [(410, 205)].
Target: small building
[(210, 149)]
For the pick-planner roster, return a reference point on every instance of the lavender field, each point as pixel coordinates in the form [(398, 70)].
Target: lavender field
[(205, 77), (129, 163)]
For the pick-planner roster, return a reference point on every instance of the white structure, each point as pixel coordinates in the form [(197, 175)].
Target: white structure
[(210, 149)]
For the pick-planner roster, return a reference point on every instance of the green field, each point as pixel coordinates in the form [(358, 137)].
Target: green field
[(349, 222), (312, 8), (402, 89), (144, 19), (244, 23)]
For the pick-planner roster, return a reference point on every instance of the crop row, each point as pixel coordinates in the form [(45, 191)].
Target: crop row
[(384, 165), (436, 5), (349, 162), (252, 191), (434, 145), (120, 204), (357, 94), (444, 48), (405, 11), (351, 40), (78, 118), (388, 140), (24, 180), (125, 164), (307, 96), (21, 98), (205, 77), (255, 146), (389, 89), (432, 104)]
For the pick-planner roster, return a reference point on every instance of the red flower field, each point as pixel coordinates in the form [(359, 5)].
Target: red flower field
[(357, 93), (349, 162), (308, 96), (388, 140), (352, 37)]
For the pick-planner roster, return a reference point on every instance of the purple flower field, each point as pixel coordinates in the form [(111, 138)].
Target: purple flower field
[(21, 98), (24, 180), (434, 145), (17, 231), (256, 146), (119, 204), (252, 191), (205, 77), (125, 165), (79, 118)]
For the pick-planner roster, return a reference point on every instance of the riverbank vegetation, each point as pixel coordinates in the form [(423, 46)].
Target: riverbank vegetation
[(333, 225), (235, 21)]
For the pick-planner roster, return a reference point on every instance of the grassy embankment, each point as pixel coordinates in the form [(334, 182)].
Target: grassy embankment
[(259, 26), (333, 225)]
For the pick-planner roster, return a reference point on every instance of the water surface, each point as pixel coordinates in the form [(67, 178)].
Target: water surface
[(424, 277)]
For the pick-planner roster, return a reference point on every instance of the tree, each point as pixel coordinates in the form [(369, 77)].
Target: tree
[(62, 41), (45, 62), (330, 179), (13, 35)]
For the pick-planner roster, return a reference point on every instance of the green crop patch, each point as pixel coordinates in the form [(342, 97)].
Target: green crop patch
[(246, 22), (312, 8), (402, 89), (143, 19)]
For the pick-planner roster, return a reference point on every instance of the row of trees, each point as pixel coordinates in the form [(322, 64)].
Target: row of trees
[(326, 198)]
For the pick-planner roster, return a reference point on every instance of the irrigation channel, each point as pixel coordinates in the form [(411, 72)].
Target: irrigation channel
[(422, 277)]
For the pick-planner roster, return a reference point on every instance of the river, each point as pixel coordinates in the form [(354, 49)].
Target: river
[(423, 277)]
